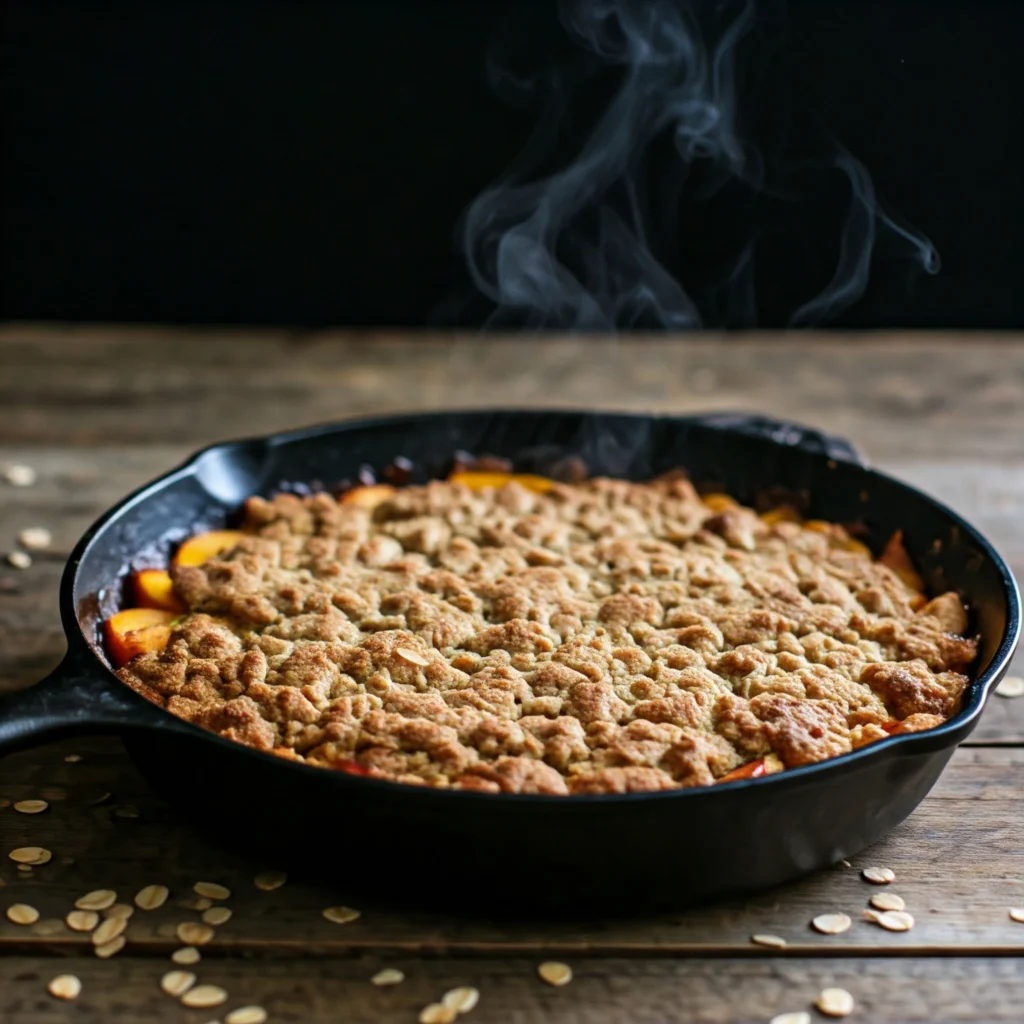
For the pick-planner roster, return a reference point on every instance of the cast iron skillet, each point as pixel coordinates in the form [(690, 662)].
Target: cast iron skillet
[(417, 845)]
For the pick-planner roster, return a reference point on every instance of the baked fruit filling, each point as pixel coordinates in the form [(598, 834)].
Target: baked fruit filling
[(506, 633)]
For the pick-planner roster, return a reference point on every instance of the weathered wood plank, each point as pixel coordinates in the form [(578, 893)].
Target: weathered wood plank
[(898, 394), (603, 991), (954, 859)]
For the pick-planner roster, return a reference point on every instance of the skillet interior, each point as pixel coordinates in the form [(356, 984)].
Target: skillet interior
[(659, 849)]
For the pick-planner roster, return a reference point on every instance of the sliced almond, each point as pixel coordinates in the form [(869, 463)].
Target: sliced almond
[(437, 1013), (192, 933), (388, 976), (186, 955), (199, 903), (1017, 914), (123, 910), (878, 876), (20, 475), (774, 941), (1011, 686), (341, 915), (831, 924), (246, 1015), (73, 758), (98, 899), (835, 1002), (128, 811), (108, 949), (152, 897), (35, 538), (108, 930), (896, 921), (20, 560), (48, 926), (211, 890), (204, 996), (799, 1017), (31, 806), (411, 656), (82, 920), (33, 856), (217, 915), (22, 913), (887, 901), (64, 986), (462, 999), (555, 973), (177, 983), (268, 881)]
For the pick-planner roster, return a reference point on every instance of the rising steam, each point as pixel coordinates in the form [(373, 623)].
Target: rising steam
[(570, 249)]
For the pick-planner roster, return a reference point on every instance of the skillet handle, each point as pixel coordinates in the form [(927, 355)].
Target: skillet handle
[(74, 698), (796, 435)]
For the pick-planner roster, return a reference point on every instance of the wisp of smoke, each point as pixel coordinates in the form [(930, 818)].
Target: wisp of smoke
[(570, 250)]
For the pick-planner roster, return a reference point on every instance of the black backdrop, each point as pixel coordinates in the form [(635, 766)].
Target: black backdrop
[(307, 162)]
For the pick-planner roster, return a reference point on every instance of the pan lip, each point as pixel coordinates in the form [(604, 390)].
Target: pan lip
[(933, 740)]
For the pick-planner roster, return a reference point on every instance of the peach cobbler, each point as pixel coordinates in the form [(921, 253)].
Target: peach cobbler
[(508, 634)]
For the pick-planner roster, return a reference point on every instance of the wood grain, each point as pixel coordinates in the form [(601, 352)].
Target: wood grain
[(953, 861), (603, 991)]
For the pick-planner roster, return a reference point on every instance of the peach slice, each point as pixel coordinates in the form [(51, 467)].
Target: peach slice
[(369, 496), (784, 514), (154, 588), (751, 770), (136, 631), (478, 481), (895, 556), (719, 502), (204, 546)]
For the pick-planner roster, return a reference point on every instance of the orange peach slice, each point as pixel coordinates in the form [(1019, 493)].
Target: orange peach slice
[(369, 496), (719, 502), (154, 588), (751, 770), (136, 631), (895, 556), (785, 514), (204, 546), (478, 481)]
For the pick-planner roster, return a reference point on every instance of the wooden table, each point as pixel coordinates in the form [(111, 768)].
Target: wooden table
[(97, 411)]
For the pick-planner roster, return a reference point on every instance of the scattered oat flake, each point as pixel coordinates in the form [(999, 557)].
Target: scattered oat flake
[(82, 920), (412, 657), (19, 475), (1011, 686), (108, 930), (186, 955), (341, 915), (192, 933), (835, 1002), (108, 949), (211, 890), (555, 973), (895, 921), (217, 915), (204, 996), (177, 983), (20, 559), (246, 1015), (64, 986), (774, 941), (268, 881), (879, 876), (831, 924), (799, 1017), (887, 901), (388, 976), (461, 999), (22, 913), (35, 538), (31, 806), (73, 758), (98, 899), (1017, 914), (437, 1013), (152, 897)]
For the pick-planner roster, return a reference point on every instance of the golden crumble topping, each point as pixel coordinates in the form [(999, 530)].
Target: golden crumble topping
[(600, 637)]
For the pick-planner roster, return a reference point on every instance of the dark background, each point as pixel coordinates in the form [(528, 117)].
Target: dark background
[(308, 162)]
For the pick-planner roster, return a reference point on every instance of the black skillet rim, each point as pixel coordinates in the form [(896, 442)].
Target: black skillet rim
[(931, 740)]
